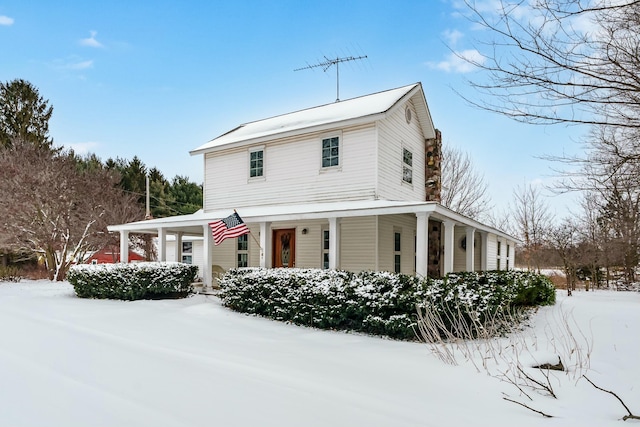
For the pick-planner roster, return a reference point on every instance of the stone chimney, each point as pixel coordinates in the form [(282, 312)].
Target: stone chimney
[(433, 170)]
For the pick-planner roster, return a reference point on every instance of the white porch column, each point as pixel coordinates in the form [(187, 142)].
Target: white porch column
[(124, 246), (484, 266), (471, 256), (178, 248), (207, 256), (422, 244), (334, 243), (449, 245), (162, 245), (265, 242)]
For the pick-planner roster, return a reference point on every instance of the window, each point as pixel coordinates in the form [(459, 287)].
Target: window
[(499, 248), (256, 163), (325, 249), (396, 252), (330, 152), (407, 166), (242, 246), (187, 252)]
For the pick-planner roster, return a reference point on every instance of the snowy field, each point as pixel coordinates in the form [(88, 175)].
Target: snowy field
[(66, 361)]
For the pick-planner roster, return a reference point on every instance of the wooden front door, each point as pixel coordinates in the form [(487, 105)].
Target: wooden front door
[(284, 248)]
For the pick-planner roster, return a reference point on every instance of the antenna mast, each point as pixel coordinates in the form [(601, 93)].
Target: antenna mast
[(327, 63)]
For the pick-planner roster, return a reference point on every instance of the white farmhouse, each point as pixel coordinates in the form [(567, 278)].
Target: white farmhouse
[(353, 185)]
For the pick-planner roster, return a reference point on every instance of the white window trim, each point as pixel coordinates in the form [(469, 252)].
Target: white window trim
[(337, 168), (403, 165), (247, 251), (324, 251), (397, 230), (264, 164)]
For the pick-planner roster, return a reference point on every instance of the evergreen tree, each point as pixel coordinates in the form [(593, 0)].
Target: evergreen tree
[(24, 114)]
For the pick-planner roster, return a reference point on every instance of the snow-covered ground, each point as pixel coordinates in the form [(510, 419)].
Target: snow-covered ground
[(66, 361)]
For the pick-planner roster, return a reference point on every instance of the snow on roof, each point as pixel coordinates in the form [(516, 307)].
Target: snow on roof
[(354, 108)]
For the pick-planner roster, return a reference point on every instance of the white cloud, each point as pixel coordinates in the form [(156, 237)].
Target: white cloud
[(452, 36), (82, 65), (5, 20), (84, 147), (460, 61), (91, 41), (72, 63)]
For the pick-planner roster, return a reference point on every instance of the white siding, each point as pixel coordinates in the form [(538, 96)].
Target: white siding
[(293, 172), (492, 248), (477, 262), (459, 255), (358, 243), (394, 133), (387, 226)]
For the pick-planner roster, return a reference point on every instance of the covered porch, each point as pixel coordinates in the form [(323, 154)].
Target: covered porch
[(422, 238)]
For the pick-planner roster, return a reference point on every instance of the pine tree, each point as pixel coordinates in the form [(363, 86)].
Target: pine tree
[(24, 114)]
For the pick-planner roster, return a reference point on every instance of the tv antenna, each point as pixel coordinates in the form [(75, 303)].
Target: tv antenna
[(327, 63)]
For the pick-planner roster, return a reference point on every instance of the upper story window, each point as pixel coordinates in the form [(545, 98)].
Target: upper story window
[(407, 166), (256, 163), (331, 152)]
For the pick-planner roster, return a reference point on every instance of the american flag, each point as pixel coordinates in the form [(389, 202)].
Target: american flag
[(230, 227)]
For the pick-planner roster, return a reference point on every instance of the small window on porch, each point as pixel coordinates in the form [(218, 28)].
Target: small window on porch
[(396, 251), (242, 246), (187, 253), (325, 249)]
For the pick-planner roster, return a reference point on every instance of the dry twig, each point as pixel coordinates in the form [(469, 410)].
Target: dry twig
[(528, 407), (631, 416)]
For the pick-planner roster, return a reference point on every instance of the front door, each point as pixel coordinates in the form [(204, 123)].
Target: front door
[(284, 248)]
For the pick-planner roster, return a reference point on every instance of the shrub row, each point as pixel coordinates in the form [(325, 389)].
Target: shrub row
[(144, 280), (377, 303)]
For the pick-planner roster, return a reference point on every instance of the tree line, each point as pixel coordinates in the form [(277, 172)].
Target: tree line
[(55, 204), (571, 62)]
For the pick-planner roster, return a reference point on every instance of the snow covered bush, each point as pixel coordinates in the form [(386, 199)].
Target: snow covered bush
[(466, 304), (144, 280), (377, 303)]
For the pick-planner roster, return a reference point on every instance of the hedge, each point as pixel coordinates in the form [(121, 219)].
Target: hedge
[(377, 303), (144, 280)]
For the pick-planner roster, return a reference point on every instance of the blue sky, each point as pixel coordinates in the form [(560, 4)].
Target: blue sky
[(159, 78)]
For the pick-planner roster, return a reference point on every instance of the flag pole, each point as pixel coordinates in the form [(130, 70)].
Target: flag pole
[(251, 234)]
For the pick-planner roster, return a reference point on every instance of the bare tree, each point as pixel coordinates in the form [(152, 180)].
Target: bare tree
[(531, 220), (50, 204), (561, 61), (464, 190), (563, 238)]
